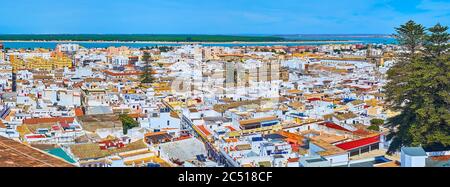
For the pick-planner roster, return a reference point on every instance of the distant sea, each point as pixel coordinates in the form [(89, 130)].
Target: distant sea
[(362, 38), (291, 40)]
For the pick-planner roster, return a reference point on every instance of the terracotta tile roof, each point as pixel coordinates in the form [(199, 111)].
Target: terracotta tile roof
[(231, 128), (204, 130), (346, 116), (16, 154), (174, 115), (77, 85), (149, 134), (228, 140), (2, 125), (291, 136), (440, 158), (153, 137), (93, 151), (334, 126), (79, 112), (331, 138), (362, 132), (329, 149), (296, 104), (136, 115), (243, 147), (257, 120), (32, 121), (357, 102), (92, 123), (294, 91)]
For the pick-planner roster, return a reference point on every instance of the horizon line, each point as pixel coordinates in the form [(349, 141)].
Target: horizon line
[(255, 34)]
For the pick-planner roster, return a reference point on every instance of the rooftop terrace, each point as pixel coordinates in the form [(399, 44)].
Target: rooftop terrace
[(15, 154)]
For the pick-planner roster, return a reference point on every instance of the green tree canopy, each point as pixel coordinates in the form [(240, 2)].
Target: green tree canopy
[(374, 127), (419, 87), (377, 121), (147, 76), (437, 41), (127, 122), (411, 36)]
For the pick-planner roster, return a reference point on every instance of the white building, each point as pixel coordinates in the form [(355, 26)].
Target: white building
[(413, 157)]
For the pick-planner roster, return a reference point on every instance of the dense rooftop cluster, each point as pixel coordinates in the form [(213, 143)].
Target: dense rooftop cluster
[(273, 106)]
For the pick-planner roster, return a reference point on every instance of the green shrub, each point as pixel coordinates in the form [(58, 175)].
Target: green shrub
[(127, 122), (377, 121), (374, 128)]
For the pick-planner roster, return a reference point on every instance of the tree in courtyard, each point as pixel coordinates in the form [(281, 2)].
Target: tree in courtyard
[(374, 127), (147, 76), (375, 124), (127, 122), (376, 121), (419, 87)]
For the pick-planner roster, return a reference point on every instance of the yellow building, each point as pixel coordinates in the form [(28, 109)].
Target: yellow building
[(2, 56), (61, 61), (162, 87), (55, 62)]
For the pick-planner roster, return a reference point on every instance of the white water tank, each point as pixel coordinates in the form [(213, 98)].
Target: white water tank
[(413, 157)]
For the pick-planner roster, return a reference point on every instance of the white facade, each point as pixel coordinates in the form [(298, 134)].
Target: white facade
[(413, 157)]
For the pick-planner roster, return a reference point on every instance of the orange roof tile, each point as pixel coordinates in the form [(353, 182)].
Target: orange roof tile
[(79, 112), (16, 154), (155, 133), (136, 115), (228, 140), (257, 120), (231, 128), (204, 130), (32, 121), (440, 158)]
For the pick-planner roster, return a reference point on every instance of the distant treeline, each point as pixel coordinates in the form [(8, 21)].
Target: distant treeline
[(138, 37)]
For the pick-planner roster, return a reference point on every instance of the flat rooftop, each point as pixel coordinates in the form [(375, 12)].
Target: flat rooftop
[(414, 151), (16, 154), (330, 138)]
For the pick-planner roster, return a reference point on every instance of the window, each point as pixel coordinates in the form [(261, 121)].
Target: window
[(375, 146), (354, 153), (365, 149)]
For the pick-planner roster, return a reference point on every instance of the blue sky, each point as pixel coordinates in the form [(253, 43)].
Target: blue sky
[(217, 16)]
